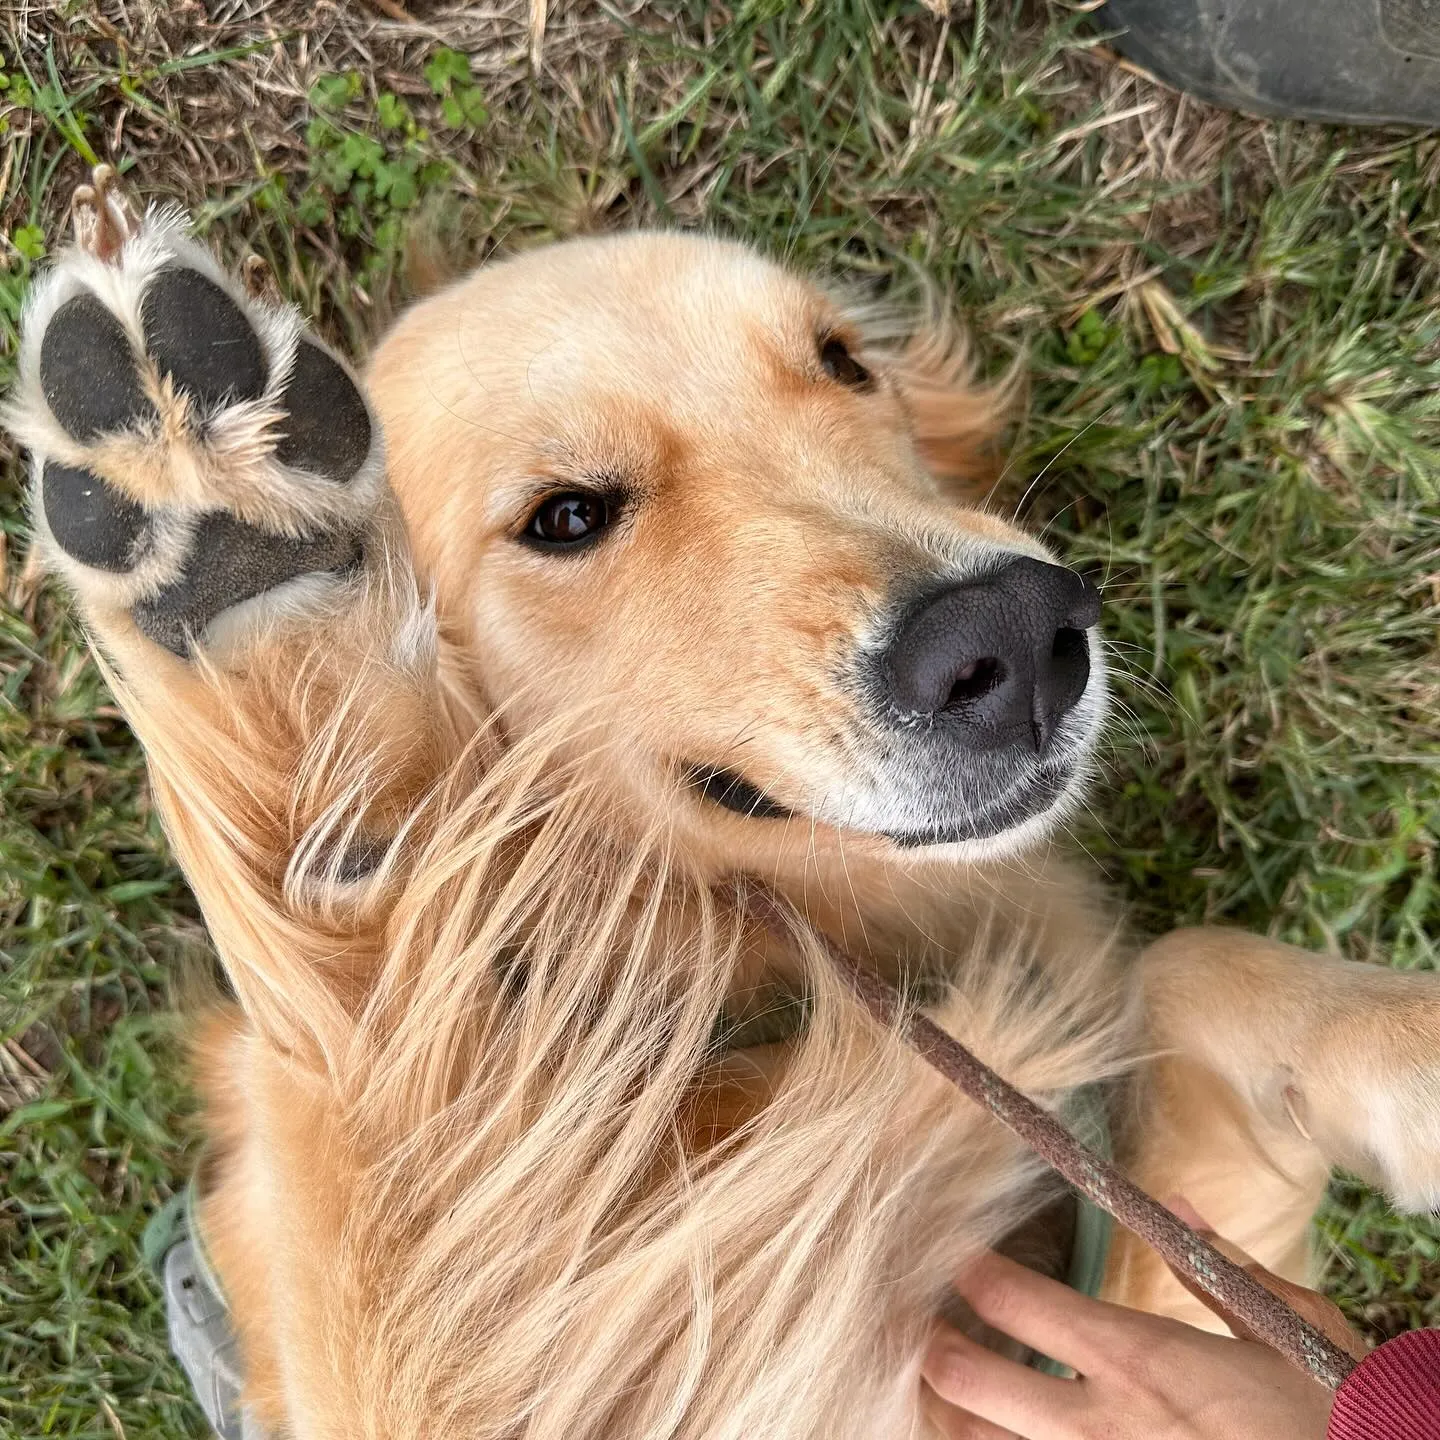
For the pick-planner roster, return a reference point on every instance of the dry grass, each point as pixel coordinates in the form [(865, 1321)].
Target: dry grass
[(1233, 358)]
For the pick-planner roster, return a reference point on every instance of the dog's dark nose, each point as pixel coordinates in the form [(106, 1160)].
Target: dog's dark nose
[(1001, 661)]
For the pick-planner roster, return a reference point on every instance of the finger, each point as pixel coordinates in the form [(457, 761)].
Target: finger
[(945, 1420), (1322, 1313), (1179, 1206), (1044, 1314), (1011, 1397)]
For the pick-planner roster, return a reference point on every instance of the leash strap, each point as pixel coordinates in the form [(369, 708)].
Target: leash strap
[(1092, 1175)]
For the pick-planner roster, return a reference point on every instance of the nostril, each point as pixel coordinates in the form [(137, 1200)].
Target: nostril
[(972, 681), (1070, 645), (1060, 683)]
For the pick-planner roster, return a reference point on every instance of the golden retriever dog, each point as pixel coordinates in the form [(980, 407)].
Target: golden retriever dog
[(641, 572)]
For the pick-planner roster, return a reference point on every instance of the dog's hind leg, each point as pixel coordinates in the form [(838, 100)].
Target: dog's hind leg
[(210, 481)]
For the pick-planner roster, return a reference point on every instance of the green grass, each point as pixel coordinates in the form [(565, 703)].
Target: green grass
[(1234, 359)]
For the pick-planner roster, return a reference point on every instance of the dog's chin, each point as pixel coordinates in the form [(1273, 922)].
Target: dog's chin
[(1029, 800), (1018, 824)]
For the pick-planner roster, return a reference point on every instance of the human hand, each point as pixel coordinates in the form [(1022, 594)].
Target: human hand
[(1138, 1376)]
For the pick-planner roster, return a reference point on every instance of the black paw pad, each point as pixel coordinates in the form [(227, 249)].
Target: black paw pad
[(200, 337), (327, 430), (231, 561), (91, 521), (87, 371)]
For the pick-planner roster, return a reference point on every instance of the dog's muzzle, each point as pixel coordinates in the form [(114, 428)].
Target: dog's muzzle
[(977, 711)]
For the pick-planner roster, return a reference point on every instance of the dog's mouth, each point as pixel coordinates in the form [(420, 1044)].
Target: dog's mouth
[(1030, 799), (732, 791)]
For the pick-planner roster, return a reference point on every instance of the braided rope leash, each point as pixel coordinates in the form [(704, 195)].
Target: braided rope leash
[(1270, 1319)]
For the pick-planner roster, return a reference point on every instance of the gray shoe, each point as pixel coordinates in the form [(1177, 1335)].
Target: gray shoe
[(1359, 62)]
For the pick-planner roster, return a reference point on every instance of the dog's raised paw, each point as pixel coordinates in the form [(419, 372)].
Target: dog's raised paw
[(199, 461)]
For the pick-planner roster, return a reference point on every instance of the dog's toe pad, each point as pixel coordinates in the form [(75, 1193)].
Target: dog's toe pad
[(92, 521), (327, 429), (87, 371), (200, 337)]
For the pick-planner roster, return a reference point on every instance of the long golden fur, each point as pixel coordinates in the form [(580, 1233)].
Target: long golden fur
[(480, 1166)]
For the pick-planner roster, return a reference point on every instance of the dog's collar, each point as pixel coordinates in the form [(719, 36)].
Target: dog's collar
[(1086, 1114)]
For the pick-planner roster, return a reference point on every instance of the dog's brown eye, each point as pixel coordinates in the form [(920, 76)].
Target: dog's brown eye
[(568, 519), (839, 364)]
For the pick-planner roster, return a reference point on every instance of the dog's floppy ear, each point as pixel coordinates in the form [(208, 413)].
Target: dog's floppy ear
[(957, 424)]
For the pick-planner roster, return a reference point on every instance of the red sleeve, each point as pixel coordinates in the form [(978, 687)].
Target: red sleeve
[(1393, 1394)]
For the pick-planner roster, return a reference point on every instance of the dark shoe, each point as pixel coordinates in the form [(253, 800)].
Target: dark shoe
[(1355, 61)]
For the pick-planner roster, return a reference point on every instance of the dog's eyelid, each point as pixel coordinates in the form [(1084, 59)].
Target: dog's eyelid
[(532, 492), (605, 484), (837, 334)]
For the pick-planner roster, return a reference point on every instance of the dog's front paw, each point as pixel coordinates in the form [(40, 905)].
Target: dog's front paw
[(200, 463), (1368, 1084), (1403, 1134)]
